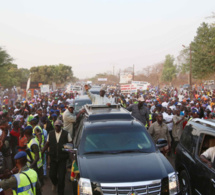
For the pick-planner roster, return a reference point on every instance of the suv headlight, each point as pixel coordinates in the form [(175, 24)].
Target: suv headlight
[(173, 183), (84, 187)]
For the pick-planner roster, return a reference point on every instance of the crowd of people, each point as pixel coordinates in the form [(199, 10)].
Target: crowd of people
[(33, 130), (35, 126)]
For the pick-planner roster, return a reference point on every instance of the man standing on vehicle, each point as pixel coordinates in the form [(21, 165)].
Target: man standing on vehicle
[(100, 99), (140, 111), (58, 158)]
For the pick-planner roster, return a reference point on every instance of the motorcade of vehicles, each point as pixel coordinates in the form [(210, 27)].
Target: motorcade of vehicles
[(186, 86), (77, 89), (195, 176), (89, 82), (209, 82), (116, 155), (93, 90)]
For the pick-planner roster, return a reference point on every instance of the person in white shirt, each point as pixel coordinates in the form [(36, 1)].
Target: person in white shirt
[(70, 100), (112, 99), (208, 156), (69, 119), (172, 106), (165, 104), (100, 99), (168, 120), (180, 97)]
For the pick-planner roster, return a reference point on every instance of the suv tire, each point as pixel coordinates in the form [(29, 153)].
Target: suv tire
[(185, 183)]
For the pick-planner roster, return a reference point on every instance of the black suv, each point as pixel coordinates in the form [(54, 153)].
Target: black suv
[(194, 175), (116, 155)]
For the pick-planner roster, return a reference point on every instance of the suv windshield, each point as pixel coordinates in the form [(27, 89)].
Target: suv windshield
[(115, 140)]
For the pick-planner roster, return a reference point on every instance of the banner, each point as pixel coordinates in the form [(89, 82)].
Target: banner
[(102, 79), (44, 88), (125, 77), (128, 88)]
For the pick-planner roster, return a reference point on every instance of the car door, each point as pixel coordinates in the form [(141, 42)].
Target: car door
[(204, 180), (212, 181)]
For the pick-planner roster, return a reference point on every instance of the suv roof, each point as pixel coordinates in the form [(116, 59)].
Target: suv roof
[(103, 112), (82, 97), (207, 123)]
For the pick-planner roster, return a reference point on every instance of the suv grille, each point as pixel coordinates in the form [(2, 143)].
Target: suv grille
[(153, 189)]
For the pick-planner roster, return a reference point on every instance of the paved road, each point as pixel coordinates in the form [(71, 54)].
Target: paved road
[(47, 187)]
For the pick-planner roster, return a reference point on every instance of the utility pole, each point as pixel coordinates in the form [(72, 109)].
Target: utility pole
[(133, 72), (191, 89), (190, 72), (190, 75)]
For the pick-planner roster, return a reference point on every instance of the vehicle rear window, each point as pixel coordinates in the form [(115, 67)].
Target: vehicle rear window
[(112, 139)]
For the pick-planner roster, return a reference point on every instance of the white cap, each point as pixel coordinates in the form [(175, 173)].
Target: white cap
[(16, 110), (141, 99)]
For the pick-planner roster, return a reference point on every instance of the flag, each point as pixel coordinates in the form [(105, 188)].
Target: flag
[(74, 171)]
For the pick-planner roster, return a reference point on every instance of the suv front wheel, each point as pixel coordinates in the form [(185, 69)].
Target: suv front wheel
[(185, 183)]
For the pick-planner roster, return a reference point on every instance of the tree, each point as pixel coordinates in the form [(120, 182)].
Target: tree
[(203, 52), (111, 79), (7, 70), (5, 58), (212, 17), (23, 74), (169, 69), (184, 60), (53, 73), (156, 74)]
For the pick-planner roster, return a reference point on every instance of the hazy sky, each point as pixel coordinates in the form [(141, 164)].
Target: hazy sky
[(94, 35)]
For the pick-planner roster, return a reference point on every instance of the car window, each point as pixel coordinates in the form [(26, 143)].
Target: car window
[(113, 140), (206, 141), (78, 133)]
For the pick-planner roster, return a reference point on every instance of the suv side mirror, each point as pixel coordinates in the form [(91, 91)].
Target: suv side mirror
[(69, 146), (161, 143)]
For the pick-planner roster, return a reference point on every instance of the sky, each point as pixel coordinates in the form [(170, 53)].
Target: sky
[(93, 36)]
